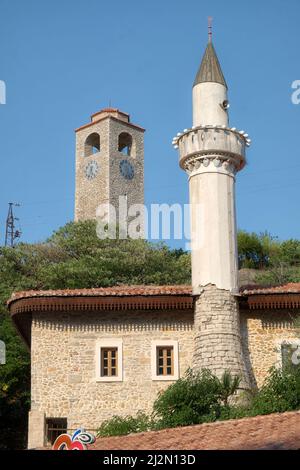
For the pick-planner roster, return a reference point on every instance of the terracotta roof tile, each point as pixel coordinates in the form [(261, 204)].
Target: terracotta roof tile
[(290, 288), (117, 291), (142, 290), (276, 431)]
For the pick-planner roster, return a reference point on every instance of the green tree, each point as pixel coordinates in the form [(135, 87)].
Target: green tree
[(252, 251)]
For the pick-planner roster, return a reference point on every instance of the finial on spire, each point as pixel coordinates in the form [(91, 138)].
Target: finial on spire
[(210, 19)]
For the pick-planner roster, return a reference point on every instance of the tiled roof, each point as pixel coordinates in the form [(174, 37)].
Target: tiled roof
[(290, 288), (141, 290), (110, 110), (276, 431), (118, 291)]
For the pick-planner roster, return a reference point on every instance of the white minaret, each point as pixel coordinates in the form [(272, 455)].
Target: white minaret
[(212, 153)]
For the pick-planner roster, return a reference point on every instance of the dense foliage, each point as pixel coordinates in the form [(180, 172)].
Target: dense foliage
[(203, 398), (276, 262), (120, 426), (195, 398)]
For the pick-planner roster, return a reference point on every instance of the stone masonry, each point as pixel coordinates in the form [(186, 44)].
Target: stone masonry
[(108, 184), (63, 358), (217, 334), (263, 332)]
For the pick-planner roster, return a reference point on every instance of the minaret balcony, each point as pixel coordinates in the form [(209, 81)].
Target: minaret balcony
[(208, 142)]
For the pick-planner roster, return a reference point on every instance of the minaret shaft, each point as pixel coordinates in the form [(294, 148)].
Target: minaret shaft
[(208, 99), (213, 228)]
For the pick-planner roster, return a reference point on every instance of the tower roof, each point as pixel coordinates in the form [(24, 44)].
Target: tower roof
[(210, 68)]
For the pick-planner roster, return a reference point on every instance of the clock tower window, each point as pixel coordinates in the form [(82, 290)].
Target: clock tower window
[(125, 144), (92, 144)]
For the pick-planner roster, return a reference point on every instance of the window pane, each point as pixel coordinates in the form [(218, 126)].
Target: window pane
[(109, 362), (164, 361)]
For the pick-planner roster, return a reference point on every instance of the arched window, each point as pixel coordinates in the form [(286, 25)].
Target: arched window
[(92, 144), (125, 143)]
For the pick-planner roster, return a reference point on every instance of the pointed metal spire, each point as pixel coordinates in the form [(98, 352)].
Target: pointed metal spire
[(210, 68)]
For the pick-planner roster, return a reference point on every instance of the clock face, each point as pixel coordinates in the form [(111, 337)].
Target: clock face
[(126, 169), (91, 170)]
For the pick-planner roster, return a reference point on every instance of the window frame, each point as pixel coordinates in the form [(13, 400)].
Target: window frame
[(109, 343), (288, 342), (165, 356), (155, 345), (109, 367)]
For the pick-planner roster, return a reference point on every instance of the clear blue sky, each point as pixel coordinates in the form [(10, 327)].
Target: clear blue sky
[(64, 60)]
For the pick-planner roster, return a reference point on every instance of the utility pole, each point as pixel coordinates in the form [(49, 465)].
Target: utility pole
[(11, 233)]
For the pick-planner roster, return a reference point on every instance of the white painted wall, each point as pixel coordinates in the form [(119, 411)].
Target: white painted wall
[(207, 98), (213, 229)]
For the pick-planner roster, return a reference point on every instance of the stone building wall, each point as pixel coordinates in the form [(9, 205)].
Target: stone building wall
[(63, 357), (64, 362), (263, 332)]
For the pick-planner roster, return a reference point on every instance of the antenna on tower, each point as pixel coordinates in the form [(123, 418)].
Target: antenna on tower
[(11, 233), (210, 20)]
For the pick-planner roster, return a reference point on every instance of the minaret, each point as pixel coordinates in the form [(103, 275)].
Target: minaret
[(212, 153)]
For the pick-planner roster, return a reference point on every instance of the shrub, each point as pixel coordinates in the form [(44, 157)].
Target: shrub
[(280, 392), (228, 385), (202, 397), (120, 426), (194, 399)]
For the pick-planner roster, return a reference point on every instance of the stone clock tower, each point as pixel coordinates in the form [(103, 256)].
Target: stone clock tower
[(109, 163)]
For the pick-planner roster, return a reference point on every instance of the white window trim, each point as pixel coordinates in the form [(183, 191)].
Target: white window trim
[(290, 341), (109, 343), (164, 342)]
